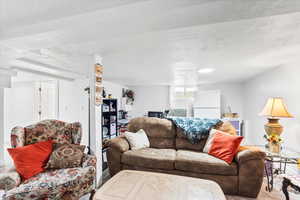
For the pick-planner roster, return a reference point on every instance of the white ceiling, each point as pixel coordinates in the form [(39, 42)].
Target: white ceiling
[(152, 42)]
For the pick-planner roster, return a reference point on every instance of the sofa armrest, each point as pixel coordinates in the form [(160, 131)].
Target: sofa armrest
[(251, 172), (9, 179), (119, 143), (89, 160), (249, 154), (116, 148)]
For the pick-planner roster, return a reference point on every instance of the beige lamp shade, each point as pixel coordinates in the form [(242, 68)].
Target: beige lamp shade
[(275, 107)]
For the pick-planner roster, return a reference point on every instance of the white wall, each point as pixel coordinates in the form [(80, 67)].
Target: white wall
[(73, 104), (281, 82), (156, 98), (19, 110), (5, 81), (2, 126), (115, 89), (149, 98)]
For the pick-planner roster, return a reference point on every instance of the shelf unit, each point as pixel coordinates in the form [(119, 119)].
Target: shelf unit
[(109, 124)]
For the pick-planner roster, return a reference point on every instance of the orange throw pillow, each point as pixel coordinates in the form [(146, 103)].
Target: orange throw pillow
[(225, 146), (31, 159)]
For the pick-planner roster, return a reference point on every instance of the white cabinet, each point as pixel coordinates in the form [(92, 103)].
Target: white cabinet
[(207, 104)]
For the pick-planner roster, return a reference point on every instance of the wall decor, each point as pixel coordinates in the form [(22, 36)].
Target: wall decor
[(98, 84), (129, 95)]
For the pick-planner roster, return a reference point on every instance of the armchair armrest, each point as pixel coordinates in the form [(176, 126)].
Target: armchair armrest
[(9, 179), (89, 160), (119, 143)]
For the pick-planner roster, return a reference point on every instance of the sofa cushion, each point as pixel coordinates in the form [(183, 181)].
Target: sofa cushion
[(184, 144), (52, 184), (227, 127), (162, 143), (203, 163), (150, 158), (154, 127)]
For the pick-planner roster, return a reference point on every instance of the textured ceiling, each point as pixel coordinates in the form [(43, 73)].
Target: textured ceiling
[(155, 41)]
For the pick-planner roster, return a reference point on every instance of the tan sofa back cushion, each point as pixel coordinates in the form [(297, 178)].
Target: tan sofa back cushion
[(227, 127), (183, 144), (161, 132)]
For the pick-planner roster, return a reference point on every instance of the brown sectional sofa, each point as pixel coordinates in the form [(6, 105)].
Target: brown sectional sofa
[(171, 153)]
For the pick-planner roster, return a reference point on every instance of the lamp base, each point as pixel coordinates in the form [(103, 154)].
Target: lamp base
[(273, 127)]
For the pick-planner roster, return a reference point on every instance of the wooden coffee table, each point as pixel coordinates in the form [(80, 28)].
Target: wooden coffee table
[(137, 185)]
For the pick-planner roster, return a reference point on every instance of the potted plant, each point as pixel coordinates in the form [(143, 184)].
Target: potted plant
[(274, 141)]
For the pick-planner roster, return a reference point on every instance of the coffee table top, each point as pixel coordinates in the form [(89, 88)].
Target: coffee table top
[(137, 185), (285, 154)]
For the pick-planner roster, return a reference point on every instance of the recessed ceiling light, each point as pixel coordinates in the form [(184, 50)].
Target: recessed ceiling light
[(206, 70)]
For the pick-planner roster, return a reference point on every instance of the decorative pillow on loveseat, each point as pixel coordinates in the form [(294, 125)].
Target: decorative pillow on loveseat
[(209, 140), (225, 146), (137, 140), (66, 156)]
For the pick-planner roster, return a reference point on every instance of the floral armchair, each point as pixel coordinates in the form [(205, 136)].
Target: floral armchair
[(71, 183)]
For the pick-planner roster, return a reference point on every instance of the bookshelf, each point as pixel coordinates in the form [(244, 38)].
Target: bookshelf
[(109, 124)]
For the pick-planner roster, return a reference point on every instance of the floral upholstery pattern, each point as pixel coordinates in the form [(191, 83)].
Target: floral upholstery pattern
[(9, 179), (51, 184), (89, 160), (17, 137), (76, 133), (65, 156), (58, 131)]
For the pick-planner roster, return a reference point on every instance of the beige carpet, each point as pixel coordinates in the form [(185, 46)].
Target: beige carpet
[(263, 195)]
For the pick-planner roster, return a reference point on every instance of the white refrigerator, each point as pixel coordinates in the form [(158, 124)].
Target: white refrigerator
[(207, 104)]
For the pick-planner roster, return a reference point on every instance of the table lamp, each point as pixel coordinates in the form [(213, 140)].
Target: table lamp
[(275, 109)]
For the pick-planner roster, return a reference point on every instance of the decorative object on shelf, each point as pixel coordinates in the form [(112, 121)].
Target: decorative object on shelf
[(129, 95), (230, 114), (104, 93), (274, 142), (275, 109), (105, 107), (109, 96), (98, 84)]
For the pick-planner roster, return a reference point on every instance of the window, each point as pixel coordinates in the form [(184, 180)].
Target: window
[(181, 100)]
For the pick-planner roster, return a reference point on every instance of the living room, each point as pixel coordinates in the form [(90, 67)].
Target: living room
[(96, 71)]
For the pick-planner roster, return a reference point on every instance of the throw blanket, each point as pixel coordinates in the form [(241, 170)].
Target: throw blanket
[(194, 128)]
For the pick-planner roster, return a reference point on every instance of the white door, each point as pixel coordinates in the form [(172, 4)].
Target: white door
[(25, 104), (47, 103)]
